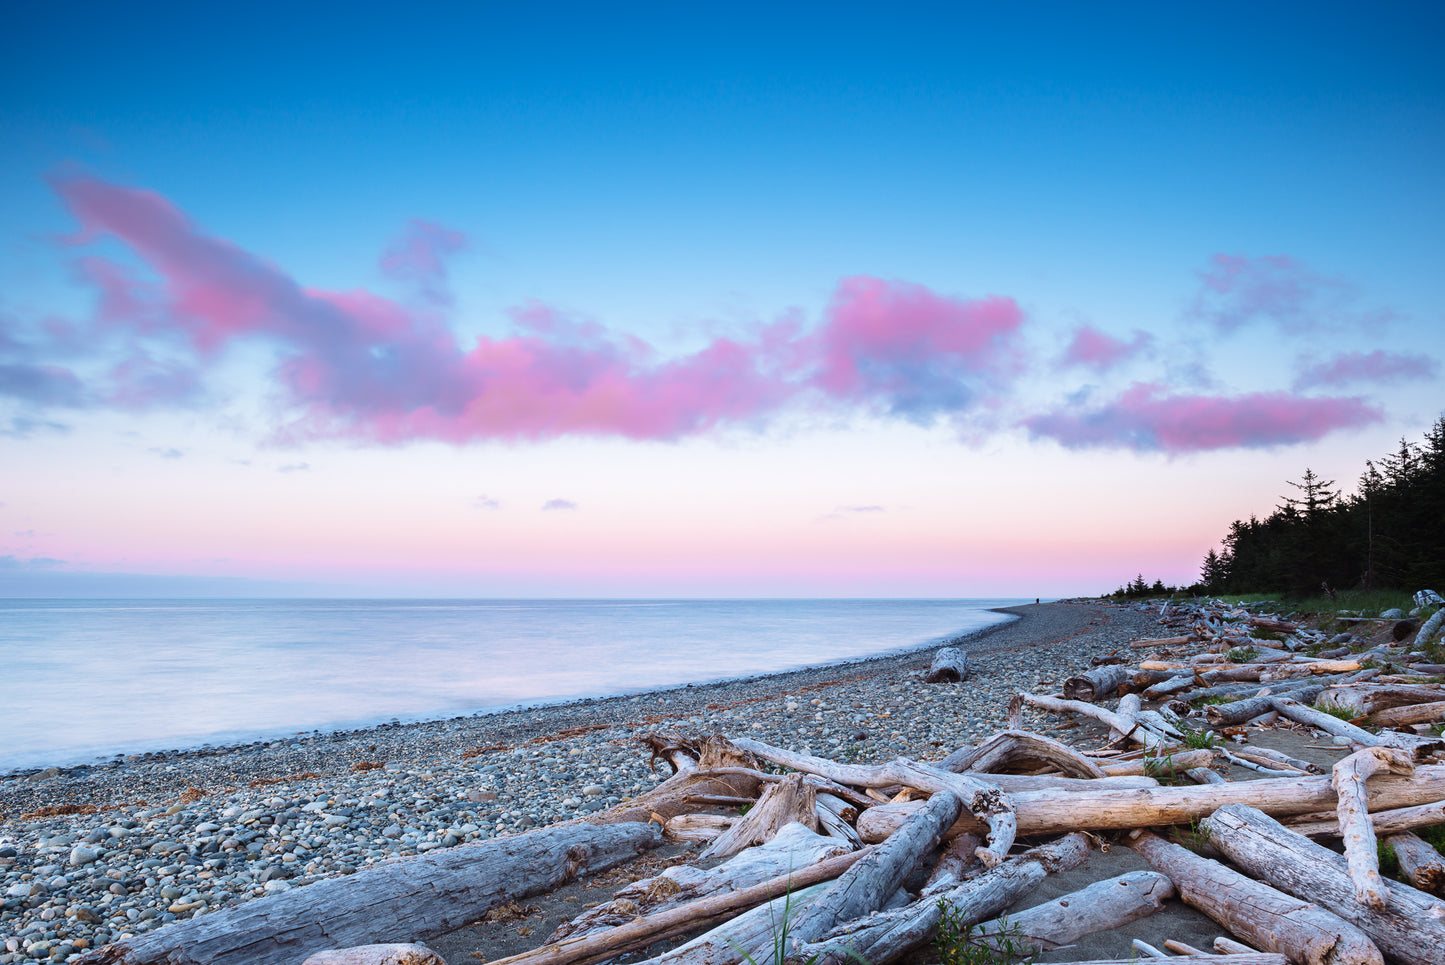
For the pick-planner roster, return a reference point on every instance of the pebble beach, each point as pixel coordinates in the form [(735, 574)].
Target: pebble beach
[(94, 853)]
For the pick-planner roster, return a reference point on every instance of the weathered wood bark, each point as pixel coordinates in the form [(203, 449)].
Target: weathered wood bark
[(1370, 698), (1015, 747), (1111, 903), (794, 847), (406, 954), (697, 827), (1268, 755), (1163, 642), (1295, 711), (1385, 822), (1239, 711), (983, 801), (416, 898), (785, 802), (1421, 864), (1411, 714), (864, 887), (1157, 765), (950, 664), (721, 771), (1100, 683), (634, 933), (1253, 765), (836, 817), (1125, 724), (1046, 812), (954, 864), (1349, 777), (1269, 919), (1406, 929), (749, 936), (887, 936)]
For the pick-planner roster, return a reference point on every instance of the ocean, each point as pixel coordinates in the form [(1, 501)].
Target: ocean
[(82, 680)]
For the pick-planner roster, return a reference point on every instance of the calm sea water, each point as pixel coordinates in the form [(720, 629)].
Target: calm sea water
[(89, 678)]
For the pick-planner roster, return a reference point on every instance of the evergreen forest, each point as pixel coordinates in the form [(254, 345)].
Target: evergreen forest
[(1389, 533)]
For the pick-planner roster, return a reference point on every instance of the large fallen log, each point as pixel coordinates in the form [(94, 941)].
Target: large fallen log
[(750, 936), (712, 769), (885, 937), (1385, 822), (1349, 777), (789, 801), (1239, 711), (408, 953), (1054, 812), (1013, 747), (950, 664), (1421, 864), (1123, 722), (1408, 714), (1266, 918), (1408, 928), (408, 900), (1111, 903), (1419, 746), (1100, 683)]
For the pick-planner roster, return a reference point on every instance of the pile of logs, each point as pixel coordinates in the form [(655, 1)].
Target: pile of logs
[(835, 863)]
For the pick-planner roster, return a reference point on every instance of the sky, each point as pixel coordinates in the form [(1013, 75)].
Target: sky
[(700, 300)]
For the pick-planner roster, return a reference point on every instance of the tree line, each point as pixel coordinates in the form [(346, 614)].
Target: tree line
[(1389, 533)]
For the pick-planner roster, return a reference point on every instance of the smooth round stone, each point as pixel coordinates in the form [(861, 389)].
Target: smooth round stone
[(593, 790), (82, 855)]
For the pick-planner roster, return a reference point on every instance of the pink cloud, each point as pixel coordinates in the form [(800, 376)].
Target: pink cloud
[(914, 353), (1237, 290), (1144, 418), (1376, 366), (421, 256), (1093, 349), (360, 365)]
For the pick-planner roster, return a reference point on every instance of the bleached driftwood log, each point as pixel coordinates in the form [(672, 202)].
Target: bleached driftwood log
[(712, 769), (1349, 777), (1100, 683), (789, 801), (1111, 903), (1268, 919), (1421, 864), (404, 954), (1157, 642), (794, 847), (950, 664), (1157, 765), (985, 802), (1366, 699), (1409, 714), (886, 936), (416, 898), (1409, 928), (1239, 711), (864, 887), (1241, 958), (836, 817), (697, 827), (1014, 747), (1421, 747), (639, 932), (749, 936), (1385, 822), (1054, 812), (1123, 722)]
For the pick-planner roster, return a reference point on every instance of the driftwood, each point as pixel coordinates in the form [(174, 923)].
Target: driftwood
[(405, 954), (1097, 684), (1270, 919), (418, 898), (1244, 958), (749, 936), (1239, 711), (1106, 904), (1368, 699), (1122, 722), (581, 949), (1349, 777), (982, 801), (788, 801), (1421, 864), (864, 887), (1406, 929), (887, 936), (697, 827), (1052, 812), (950, 665), (714, 768), (1295, 711), (1409, 714), (1155, 765), (1385, 822), (1162, 642), (1014, 747), (794, 847)]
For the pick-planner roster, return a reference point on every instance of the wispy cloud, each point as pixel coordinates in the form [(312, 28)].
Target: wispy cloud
[(843, 512), (486, 502), (1145, 418), (294, 467), (166, 453), (1238, 290), (420, 256), (359, 365), (1377, 366), (1091, 348), (552, 505)]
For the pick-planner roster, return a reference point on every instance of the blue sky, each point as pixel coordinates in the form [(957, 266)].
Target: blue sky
[(675, 176)]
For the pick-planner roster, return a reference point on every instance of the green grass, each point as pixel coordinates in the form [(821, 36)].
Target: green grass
[(1343, 713), (1434, 836), (1389, 863), (1201, 740), (957, 945), (1215, 700), (1242, 654)]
